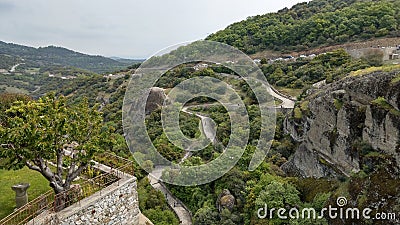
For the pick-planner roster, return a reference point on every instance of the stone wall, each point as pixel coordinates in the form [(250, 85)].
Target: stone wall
[(116, 204), (358, 53)]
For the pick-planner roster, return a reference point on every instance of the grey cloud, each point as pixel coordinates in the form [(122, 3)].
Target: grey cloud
[(6, 7), (127, 28)]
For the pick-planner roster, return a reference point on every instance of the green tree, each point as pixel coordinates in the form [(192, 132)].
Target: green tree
[(148, 165), (6, 101), (278, 194), (277, 75), (206, 216), (161, 217), (50, 131)]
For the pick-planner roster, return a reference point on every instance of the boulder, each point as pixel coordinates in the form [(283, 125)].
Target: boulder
[(226, 201)]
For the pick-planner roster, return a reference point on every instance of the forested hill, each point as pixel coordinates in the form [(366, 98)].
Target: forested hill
[(50, 56), (313, 24)]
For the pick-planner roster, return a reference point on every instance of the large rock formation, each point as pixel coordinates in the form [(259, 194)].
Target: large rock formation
[(155, 99), (332, 120)]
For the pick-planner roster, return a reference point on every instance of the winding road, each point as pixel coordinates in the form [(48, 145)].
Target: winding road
[(209, 130), (287, 103), (207, 124), (184, 215), (12, 70)]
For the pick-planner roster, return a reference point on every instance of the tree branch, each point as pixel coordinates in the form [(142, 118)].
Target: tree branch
[(45, 170), (74, 174), (71, 167), (33, 167)]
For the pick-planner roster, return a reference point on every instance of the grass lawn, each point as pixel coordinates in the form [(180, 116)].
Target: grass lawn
[(39, 185)]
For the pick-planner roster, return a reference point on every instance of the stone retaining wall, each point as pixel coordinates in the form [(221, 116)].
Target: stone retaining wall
[(116, 204)]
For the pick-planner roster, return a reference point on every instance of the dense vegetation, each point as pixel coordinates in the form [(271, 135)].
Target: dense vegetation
[(313, 24), (250, 189), (303, 72), (203, 200), (152, 203), (7, 61), (268, 183), (39, 81)]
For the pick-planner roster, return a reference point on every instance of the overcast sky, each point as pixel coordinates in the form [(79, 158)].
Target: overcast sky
[(124, 28)]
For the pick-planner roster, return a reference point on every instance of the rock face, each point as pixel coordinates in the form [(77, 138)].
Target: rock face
[(155, 99), (336, 117)]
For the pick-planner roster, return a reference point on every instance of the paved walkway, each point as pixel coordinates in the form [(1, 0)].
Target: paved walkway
[(183, 214), (286, 102)]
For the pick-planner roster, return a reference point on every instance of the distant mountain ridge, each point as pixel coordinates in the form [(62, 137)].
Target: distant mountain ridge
[(128, 61), (59, 56)]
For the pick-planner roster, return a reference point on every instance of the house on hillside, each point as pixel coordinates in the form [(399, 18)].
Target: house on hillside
[(257, 61), (200, 66)]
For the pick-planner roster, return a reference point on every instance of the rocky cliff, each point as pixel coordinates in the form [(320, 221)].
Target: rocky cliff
[(333, 122), (155, 99)]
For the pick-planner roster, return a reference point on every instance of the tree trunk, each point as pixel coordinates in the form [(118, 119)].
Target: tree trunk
[(59, 197), (59, 202)]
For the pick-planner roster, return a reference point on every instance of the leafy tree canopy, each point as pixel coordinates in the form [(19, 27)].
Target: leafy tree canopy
[(313, 24), (46, 132)]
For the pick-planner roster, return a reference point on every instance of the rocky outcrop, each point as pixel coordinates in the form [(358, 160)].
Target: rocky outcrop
[(225, 201), (333, 119), (155, 99)]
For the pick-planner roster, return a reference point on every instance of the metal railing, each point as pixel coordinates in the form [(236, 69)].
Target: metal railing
[(52, 202), (30, 210), (114, 161)]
